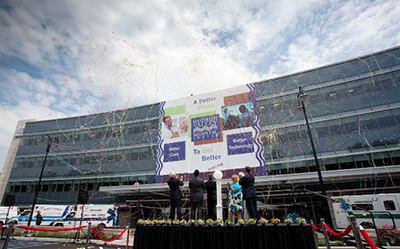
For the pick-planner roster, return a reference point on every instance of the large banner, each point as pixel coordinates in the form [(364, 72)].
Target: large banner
[(218, 130)]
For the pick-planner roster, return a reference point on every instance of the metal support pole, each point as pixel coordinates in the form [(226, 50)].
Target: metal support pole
[(326, 237), (356, 234), (127, 237), (321, 181), (301, 97), (49, 143), (315, 234), (38, 186), (88, 235), (9, 231)]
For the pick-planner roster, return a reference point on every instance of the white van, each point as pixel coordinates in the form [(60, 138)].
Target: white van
[(12, 211), (384, 209), (50, 213), (104, 215), (70, 216)]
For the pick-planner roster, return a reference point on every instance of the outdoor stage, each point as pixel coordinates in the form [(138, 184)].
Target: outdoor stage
[(224, 237)]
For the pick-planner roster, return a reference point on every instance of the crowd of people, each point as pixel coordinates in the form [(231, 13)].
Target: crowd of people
[(240, 191)]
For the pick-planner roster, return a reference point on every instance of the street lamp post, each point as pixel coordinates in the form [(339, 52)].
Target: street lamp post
[(301, 97), (218, 177), (41, 142)]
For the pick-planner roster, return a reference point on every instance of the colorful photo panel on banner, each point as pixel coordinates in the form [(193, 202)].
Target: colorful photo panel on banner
[(174, 127), (206, 130), (237, 115)]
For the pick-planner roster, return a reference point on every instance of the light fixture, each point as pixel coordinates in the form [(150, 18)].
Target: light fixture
[(303, 97), (56, 147), (299, 108), (40, 142), (218, 174)]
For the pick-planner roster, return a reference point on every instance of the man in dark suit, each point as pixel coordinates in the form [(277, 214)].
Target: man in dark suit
[(211, 187), (249, 193), (175, 195), (196, 186)]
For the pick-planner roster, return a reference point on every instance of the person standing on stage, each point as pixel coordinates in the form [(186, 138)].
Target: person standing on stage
[(175, 195), (196, 186), (211, 187), (235, 198), (249, 193)]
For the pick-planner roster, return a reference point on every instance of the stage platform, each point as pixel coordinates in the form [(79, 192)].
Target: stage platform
[(225, 237)]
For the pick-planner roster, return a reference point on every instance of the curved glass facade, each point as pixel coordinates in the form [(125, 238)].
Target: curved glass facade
[(353, 113), (354, 116), (106, 149)]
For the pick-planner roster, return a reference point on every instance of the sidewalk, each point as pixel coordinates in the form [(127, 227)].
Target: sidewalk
[(119, 242), (29, 242)]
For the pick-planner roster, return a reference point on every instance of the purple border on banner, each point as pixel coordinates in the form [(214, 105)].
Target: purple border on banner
[(241, 143)]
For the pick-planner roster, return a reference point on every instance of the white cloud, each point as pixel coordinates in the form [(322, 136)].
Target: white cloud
[(75, 57)]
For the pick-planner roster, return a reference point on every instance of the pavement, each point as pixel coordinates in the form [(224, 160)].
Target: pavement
[(19, 242), (58, 243)]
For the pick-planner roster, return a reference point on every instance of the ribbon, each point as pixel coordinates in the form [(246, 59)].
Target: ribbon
[(367, 238), (338, 235), (109, 240), (317, 228), (52, 230)]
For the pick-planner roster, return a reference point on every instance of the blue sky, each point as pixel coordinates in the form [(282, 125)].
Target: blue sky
[(66, 58)]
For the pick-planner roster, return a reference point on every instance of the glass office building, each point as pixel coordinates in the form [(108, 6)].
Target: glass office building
[(354, 116)]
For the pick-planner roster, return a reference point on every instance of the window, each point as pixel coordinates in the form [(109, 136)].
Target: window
[(17, 188), (68, 187), (361, 66), (393, 56), (60, 187), (387, 81), (17, 163), (389, 205), (368, 122), (307, 78), (51, 162), (100, 133), (31, 163), (23, 188), (321, 129), (72, 161), (363, 206), (378, 62), (45, 187), (385, 119), (135, 154)]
